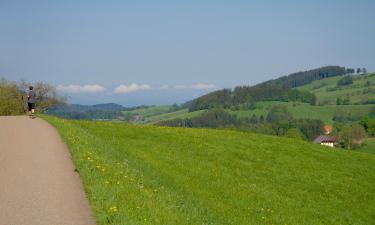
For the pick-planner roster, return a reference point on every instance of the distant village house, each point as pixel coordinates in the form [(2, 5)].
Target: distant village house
[(326, 141), (139, 118)]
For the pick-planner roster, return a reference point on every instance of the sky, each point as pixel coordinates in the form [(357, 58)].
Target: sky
[(164, 52)]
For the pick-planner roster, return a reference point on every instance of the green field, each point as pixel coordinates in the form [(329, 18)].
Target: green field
[(368, 146), (356, 92), (304, 110), (180, 114), (155, 114), (151, 111), (159, 175)]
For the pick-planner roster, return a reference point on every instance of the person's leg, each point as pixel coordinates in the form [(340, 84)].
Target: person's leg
[(33, 110), (29, 107)]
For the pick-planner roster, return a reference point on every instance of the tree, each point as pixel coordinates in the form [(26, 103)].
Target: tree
[(369, 124), (359, 70), (47, 96), (278, 113), (350, 71), (295, 133), (11, 98), (311, 128), (339, 101), (352, 136), (249, 103), (364, 70), (347, 80)]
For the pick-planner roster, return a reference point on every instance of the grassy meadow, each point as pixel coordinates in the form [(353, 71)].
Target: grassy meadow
[(362, 89), (305, 110), (159, 175), (368, 146), (180, 114), (155, 114)]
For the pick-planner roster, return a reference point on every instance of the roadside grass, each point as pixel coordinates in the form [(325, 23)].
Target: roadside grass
[(160, 175)]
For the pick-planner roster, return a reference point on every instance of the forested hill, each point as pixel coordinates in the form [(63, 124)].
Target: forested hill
[(274, 90), (305, 77), (77, 111)]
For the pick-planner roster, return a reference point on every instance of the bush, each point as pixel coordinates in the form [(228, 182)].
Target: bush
[(11, 99), (347, 80), (278, 113), (352, 136), (295, 133)]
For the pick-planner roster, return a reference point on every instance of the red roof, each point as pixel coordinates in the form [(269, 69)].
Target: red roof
[(324, 139)]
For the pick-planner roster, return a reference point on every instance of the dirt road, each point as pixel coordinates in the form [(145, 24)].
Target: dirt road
[(38, 185)]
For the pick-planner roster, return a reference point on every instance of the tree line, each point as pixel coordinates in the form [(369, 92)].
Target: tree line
[(274, 90), (278, 122), (13, 97), (245, 97)]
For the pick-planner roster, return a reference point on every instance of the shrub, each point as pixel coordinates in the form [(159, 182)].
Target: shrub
[(347, 80)]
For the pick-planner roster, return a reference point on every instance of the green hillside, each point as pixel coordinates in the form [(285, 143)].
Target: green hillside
[(160, 175), (326, 91), (180, 114), (152, 111), (362, 90), (304, 110), (155, 114)]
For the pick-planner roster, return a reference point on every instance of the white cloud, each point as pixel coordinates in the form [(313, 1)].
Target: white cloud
[(87, 88), (123, 89)]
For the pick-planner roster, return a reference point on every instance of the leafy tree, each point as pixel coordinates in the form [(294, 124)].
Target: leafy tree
[(372, 112), (265, 129), (249, 103), (350, 71), (11, 99), (295, 133), (338, 101), (221, 98), (311, 128), (278, 113), (352, 136), (369, 124), (347, 80), (47, 95), (359, 70)]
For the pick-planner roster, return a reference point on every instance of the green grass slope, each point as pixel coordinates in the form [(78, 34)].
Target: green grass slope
[(160, 175), (368, 146), (151, 111), (156, 114), (362, 89), (304, 110), (180, 114)]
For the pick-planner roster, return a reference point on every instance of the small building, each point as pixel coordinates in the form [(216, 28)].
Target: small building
[(139, 118), (326, 141)]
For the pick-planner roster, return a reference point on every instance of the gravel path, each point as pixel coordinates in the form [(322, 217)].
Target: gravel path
[(38, 185)]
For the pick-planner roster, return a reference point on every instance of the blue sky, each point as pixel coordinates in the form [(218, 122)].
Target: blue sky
[(161, 52)]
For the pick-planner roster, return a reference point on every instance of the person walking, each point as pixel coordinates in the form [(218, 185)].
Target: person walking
[(31, 100)]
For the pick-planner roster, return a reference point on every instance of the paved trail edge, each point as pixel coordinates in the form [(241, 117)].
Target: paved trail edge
[(38, 185)]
